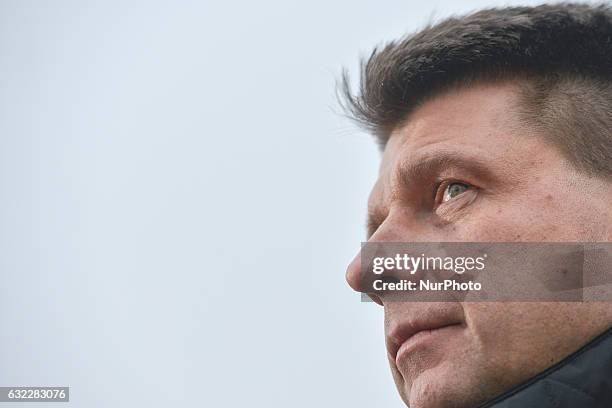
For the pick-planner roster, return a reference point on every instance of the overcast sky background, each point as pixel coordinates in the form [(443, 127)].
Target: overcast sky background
[(179, 200)]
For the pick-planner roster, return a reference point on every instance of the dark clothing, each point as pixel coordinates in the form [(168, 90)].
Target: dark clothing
[(581, 380)]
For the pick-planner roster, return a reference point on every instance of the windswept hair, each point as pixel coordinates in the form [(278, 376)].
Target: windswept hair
[(561, 55)]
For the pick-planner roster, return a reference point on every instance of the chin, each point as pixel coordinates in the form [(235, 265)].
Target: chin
[(443, 386)]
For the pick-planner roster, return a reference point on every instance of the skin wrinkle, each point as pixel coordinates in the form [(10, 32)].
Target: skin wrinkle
[(423, 168), (526, 191)]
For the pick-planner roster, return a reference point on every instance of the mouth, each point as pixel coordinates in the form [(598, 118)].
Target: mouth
[(406, 336)]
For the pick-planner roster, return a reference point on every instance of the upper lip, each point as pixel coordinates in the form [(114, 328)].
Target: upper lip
[(399, 332)]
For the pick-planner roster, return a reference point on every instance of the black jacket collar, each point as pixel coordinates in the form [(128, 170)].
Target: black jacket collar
[(581, 380)]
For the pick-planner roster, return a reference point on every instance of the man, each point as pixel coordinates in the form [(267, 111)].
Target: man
[(511, 110)]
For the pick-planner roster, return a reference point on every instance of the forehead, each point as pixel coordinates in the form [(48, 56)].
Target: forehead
[(474, 117), (479, 122)]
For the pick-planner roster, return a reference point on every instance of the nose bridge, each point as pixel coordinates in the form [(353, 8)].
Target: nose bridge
[(400, 225)]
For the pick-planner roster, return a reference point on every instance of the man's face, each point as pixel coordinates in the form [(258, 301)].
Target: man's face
[(464, 168)]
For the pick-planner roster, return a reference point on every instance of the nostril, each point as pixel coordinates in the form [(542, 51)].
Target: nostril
[(376, 299)]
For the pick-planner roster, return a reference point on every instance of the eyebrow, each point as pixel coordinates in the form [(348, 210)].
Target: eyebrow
[(423, 167)]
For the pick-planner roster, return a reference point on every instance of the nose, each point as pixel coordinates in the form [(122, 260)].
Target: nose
[(391, 230), (400, 226), (355, 279), (353, 273)]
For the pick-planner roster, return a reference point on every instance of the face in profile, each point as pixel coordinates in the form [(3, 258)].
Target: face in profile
[(463, 167)]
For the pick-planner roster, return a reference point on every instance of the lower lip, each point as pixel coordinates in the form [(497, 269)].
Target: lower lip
[(426, 337)]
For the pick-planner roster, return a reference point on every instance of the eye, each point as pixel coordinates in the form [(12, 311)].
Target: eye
[(453, 189)]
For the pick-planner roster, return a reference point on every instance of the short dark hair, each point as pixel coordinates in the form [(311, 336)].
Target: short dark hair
[(560, 55)]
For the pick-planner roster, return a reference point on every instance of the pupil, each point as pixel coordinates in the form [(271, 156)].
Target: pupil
[(456, 189)]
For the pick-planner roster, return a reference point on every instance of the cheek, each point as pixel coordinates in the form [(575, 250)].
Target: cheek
[(491, 321), (530, 219), (497, 225), (510, 334)]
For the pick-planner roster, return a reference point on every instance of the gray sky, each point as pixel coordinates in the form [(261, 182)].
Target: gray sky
[(178, 201)]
